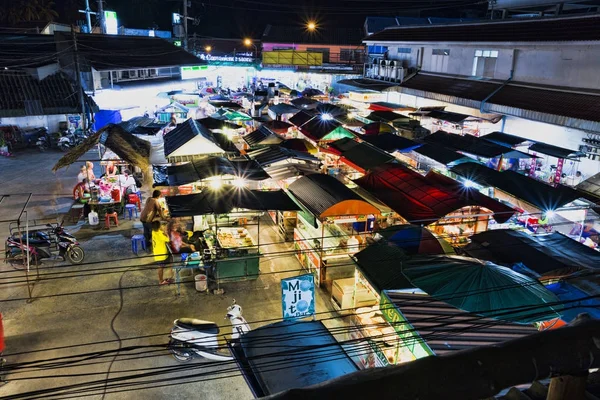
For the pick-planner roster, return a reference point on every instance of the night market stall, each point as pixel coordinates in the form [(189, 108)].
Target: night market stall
[(334, 222), (173, 111), (190, 140), (430, 156), (262, 136), (434, 201), (282, 111), (226, 222), (352, 158), (540, 255), (321, 130)]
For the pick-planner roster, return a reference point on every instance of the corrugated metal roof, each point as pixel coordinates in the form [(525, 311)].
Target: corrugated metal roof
[(448, 116), (473, 145), (272, 154), (446, 328), (184, 132), (591, 186), (439, 153), (300, 118), (282, 108), (555, 151), (262, 136), (537, 30), (390, 142), (318, 128), (319, 192), (504, 139), (21, 95), (363, 155)]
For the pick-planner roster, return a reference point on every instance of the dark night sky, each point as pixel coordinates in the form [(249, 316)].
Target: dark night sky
[(247, 18)]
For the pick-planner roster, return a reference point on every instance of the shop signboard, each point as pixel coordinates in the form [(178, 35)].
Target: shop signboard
[(195, 72), (188, 100), (74, 121), (298, 296), (238, 58), (366, 96), (110, 23), (411, 340), (559, 169)]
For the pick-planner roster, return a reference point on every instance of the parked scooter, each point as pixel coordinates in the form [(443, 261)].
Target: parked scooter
[(43, 244), (49, 141), (192, 337)]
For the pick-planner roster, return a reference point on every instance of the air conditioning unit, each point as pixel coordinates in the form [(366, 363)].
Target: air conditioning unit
[(133, 74)]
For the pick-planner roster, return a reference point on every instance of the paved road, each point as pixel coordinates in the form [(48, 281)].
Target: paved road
[(59, 323)]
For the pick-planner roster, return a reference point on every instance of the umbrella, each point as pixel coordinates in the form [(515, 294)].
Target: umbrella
[(334, 111), (300, 145), (375, 128), (310, 92), (482, 288), (225, 104), (277, 126), (415, 239), (305, 102)]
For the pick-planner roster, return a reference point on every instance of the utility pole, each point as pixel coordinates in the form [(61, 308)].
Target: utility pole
[(88, 14), (185, 26), (100, 17), (78, 80)]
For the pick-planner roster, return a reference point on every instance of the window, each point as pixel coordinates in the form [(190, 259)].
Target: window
[(377, 49), (484, 63), (404, 50), (324, 51), (351, 55), (439, 60)]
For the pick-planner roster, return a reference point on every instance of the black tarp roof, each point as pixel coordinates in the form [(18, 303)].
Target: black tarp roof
[(390, 142), (214, 123), (207, 167), (283, 108), (473, 145), (183, 133), (504, 139), (542, 196), (380, 264), (318, 128), (385, 116), (142, 125), (319, 192), (309, 351), (305, 103), (591, 187), (440, 154), (555, 151), (271, 154), (542, 254), (300, 118), (363, 155), (448, 116), (262, 136), (228, 198)]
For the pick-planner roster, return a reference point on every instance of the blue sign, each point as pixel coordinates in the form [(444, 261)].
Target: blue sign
[(298, 296)]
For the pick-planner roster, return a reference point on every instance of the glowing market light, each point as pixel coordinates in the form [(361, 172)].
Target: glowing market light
[(311, 26), (468, 183), (326, 117), (239, 183), (216, 183), (351, 115), (550, 213)]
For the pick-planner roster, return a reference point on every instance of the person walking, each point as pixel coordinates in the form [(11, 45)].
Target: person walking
[(160, 241), (152, 212)]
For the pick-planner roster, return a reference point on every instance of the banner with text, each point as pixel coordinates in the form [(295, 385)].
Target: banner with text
[(298, 296)]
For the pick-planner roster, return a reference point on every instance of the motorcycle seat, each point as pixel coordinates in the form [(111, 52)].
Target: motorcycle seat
[(33, 241), (198, 325)]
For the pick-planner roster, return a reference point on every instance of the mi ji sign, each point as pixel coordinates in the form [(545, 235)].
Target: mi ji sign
[(298, 296)]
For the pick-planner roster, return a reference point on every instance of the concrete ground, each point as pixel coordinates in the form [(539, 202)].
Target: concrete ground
[(73, 306)]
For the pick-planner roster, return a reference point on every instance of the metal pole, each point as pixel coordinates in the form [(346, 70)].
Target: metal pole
[(78, 72), (87, 16), (100, 17), (185, 26)]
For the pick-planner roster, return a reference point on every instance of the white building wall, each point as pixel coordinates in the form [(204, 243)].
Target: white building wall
[(49, 121)]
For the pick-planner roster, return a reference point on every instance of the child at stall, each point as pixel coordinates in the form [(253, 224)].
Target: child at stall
[(160, 241)]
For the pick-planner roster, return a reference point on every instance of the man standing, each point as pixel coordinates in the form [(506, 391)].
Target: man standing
[(152, 212)]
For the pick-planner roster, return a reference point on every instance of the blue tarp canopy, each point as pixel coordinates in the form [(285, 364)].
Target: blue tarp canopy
[(576, 301), (290, 354), (105, 117)]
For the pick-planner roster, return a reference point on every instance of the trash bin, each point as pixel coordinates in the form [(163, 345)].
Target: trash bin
[(201, 282)]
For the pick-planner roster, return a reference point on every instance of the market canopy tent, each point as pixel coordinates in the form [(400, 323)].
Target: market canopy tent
[(189, 139), (448, 116), (319, 129), (441, 154), (300, 118), (262, 136), (331, 109), (473, 145), (209, 167), (282, 109), (305, 351), (300, 145), (504, 139), (552, 254), (324, 196), (277, 126), (269, 155), (142, 126), (305, 103), (378, 128), (538, 194), (218, 124), (482, 288), (228, 198), (225, 104), (380, 264), (418, 199), (126, 146), (361, 156), (415, 239), (390, 142), (386, 106), (555, 151), (446, 329), (591, 187), (385, 116)]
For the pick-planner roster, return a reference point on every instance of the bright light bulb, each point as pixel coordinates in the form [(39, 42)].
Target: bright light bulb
[(351, 115), (550, 214), (326, 117), (311, 26), (239, 182), (208, 49), (247, 42), (216, 183), (468, 183)]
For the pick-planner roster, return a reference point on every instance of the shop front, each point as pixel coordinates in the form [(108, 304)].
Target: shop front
[(334, 222)]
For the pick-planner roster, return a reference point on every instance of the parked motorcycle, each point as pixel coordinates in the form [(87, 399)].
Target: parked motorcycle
[(43, 244), (192, 337), (49, 141)]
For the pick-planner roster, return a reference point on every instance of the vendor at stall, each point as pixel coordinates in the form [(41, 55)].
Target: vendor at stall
[(127, 182), (81, 195), (180, 242), (152, 211), (111, 169)]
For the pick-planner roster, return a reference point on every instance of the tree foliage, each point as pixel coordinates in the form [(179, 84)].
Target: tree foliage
[(13, 12)]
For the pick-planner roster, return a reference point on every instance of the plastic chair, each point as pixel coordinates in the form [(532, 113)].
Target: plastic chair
[(130, 208), (139, 194), (134, 199), (76, 212), (135, 239), (107, 218)]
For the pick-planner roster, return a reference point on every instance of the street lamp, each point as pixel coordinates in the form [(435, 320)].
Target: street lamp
[(311, 26), (248, 43), (208, 49)]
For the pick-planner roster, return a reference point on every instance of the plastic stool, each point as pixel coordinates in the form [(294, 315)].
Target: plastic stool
[(134, 199), (134, 243), (139, 194), (107, 218), (76, 212), (130, 208)]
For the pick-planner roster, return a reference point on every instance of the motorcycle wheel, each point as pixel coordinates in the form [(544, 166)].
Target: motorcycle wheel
[(42, 148), (179, 352), (64, 148), (18, 260), (75, 255)]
